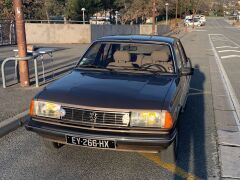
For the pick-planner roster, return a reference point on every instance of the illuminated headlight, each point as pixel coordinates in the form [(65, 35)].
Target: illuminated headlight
[(161, 119), (46, 109)]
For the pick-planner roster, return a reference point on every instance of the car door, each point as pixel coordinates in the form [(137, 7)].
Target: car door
[(180, 83), (186, 62), (183, 80)]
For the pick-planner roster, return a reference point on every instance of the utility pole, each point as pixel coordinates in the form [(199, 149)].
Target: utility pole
[(21, 41), (116, 12), (176, 13), (154, 17), (166, 13)]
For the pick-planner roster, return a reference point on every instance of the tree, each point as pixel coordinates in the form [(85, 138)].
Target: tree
[(134, 9), (43, 9), (6, 9), (130, 10)]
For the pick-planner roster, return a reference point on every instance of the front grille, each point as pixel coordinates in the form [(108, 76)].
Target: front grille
[(94, 117)]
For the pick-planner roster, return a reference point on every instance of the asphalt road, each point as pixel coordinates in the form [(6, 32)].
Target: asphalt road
[(24, 157)]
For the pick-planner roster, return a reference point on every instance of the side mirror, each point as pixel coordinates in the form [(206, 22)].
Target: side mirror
[(186, 71)]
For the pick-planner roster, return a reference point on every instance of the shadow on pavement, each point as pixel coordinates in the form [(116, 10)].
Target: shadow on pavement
[(191, 151)]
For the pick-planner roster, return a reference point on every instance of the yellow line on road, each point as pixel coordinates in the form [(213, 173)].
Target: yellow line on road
[(168, 166)]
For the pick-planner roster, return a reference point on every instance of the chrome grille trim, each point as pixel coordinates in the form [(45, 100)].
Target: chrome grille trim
[(82, 116)]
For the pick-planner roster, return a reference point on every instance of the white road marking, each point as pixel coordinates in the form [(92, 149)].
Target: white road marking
[(220, 40), (228, 51), (227, 84), (236, 27), (215, 34), (230, 56), (236, 44), (199, 30), (220, 47)]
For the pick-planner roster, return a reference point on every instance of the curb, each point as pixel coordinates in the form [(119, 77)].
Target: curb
[(12, 123)]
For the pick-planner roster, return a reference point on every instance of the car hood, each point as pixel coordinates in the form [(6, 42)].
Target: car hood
[(109, 90)]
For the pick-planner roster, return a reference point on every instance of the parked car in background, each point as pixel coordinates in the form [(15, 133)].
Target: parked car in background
[(125, 93), (198, 20), (187, 18), (193, 22), (99, 20), (203, 20)]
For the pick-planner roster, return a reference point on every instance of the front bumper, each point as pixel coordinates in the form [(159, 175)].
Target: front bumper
[(125, 141)]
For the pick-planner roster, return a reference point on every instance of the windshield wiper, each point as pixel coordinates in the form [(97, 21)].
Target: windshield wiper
[(132, 69), (90, 66), (154, 71), (94, 67), (121, 67)]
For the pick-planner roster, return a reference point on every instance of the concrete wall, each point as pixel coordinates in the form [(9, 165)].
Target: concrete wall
[(145, 29), (82, 33), (98, 31), (57, 33), (161, 29)]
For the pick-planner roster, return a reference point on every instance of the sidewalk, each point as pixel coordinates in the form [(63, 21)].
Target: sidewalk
[(227, 125), (14, 99)]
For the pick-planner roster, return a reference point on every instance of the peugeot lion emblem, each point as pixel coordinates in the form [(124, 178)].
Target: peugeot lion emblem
[(93, 116)]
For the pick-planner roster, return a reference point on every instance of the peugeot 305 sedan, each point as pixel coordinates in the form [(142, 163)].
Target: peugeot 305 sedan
[(125, 93)]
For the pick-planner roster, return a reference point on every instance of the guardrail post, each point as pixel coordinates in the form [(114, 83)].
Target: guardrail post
[(3, 72), (16, 59), (36, 72)]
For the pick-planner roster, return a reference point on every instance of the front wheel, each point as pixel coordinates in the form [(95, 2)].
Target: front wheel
[(50, 145), (169, 155)]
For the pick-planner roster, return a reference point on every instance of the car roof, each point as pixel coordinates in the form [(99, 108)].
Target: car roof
[(143, 38)]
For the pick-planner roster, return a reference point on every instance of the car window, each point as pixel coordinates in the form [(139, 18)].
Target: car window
[(182, 53), (178, 57), (138, 56)]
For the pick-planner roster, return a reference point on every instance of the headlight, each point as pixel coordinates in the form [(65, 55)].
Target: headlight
[(161, 119), (46, 109)]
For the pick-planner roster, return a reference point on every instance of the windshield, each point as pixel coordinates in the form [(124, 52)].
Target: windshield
[(129, 56), (196, 19)]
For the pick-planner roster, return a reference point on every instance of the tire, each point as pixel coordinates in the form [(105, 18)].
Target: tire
[(50, 145), (169, 155)]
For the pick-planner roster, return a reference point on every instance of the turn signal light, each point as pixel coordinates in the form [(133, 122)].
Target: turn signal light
[(31, 109), (168, 121)]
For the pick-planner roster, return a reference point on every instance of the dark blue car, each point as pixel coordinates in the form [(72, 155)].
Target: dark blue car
[(125, 93)]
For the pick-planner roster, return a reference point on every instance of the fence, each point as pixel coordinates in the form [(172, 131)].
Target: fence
[(7, 32), (55, 21)]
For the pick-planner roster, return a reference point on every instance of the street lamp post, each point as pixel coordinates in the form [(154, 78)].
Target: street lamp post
[(83, 10), (166, 13), (154, 17), (116, 12), (176, 13)]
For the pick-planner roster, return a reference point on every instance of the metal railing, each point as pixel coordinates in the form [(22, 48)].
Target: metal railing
[(55, 21), (35, 57), (233, 18), (16, 59), (7, 32)]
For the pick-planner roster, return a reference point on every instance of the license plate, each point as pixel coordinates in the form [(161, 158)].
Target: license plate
[(96, 143)]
